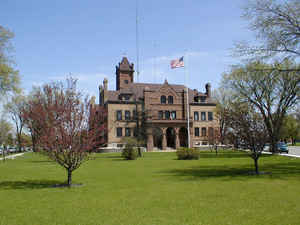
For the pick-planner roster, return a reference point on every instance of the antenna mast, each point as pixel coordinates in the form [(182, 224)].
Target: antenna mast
[(137, 43)]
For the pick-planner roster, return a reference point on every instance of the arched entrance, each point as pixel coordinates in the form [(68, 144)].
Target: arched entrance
[(157, 137), (171, 137), (183, 137)]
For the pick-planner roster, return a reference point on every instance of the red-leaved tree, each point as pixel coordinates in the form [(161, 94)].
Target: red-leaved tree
[(61, 118)]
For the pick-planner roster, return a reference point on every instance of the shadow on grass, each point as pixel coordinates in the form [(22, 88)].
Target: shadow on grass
[(230, 154), (41, 161), (103, 156), (29, 184), (238, 172)]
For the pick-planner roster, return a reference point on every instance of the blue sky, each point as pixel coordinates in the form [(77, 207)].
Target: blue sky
[(88, 38)]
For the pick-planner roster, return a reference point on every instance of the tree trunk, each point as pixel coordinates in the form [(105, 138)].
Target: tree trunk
[(33, 143), (69, 177), (256, 165), (19, 142), (3, 153), (139, 152), (273, 145)]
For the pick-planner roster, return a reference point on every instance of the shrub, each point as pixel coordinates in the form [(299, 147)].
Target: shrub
[(187, 153), (130, 152)]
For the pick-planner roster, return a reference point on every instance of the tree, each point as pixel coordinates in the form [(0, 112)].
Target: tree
[(15, 108), (223, 98), (290, 129), (277, 28), (214, 138), (9, 77), (271, 89), (139, 117), (248, 126), (62, 116), (5, 131)]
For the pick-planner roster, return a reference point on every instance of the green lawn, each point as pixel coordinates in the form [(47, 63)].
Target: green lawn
[(155, 189)]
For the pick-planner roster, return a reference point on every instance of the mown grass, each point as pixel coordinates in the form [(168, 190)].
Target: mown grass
[(155, 189)]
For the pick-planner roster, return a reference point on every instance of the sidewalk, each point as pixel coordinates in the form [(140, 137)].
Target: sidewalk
[(12, 156)]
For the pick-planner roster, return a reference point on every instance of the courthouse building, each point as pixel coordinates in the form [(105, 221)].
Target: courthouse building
[(166, 107)]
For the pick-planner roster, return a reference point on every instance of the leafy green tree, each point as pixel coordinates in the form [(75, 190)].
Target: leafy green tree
[(5, 130), (26, 140), (15, 107), (290, 129), (276, 25), (9, 77), (271, 89)]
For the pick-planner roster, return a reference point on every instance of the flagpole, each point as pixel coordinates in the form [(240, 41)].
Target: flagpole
[(187, 98)]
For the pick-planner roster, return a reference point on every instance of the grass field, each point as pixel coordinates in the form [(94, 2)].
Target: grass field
[(155, 189)]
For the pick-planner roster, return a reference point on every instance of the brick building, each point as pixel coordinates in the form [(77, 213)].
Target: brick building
[(166, 109)]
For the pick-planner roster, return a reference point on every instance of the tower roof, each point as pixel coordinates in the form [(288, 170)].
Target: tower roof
[(124, 65)]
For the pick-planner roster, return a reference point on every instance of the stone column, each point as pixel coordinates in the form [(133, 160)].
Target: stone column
[(177, 141), (149, 140), (164, 140), (191, 137)]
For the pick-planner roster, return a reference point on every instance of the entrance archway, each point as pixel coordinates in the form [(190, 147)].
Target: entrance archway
[(171, 137), (157, 137), (183, 137)]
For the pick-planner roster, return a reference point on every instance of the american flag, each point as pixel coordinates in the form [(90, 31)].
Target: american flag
[(176, 63)]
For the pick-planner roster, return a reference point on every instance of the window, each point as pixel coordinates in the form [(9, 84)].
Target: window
[(127, 115), (202, 99), (203, 131), (160, 115), (167, 115), (173, 115), (196, 116), (134, 114), (170, 99), (127, 132), (119, 114), (197, 132), (210, 116), (126, 81), (203, 116), (126, 97), (163, 99), (119, 131)]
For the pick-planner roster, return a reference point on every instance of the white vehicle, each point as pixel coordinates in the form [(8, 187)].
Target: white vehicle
[(267, 147)]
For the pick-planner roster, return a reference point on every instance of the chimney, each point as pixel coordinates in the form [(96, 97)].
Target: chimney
[(208, 90), (105, 84)]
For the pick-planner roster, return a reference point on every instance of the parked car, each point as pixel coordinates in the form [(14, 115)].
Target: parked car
[(267, 147), (12, 150), (282, 147)]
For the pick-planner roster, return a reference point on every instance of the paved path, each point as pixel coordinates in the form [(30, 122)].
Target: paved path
[(12, 156), (294, 150)]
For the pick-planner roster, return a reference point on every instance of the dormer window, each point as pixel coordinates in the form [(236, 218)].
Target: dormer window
[(170, 99), (202, 98), (163, 99)]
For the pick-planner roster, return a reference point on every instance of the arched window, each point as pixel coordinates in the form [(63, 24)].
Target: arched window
[(170, 99), (163, 99)]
